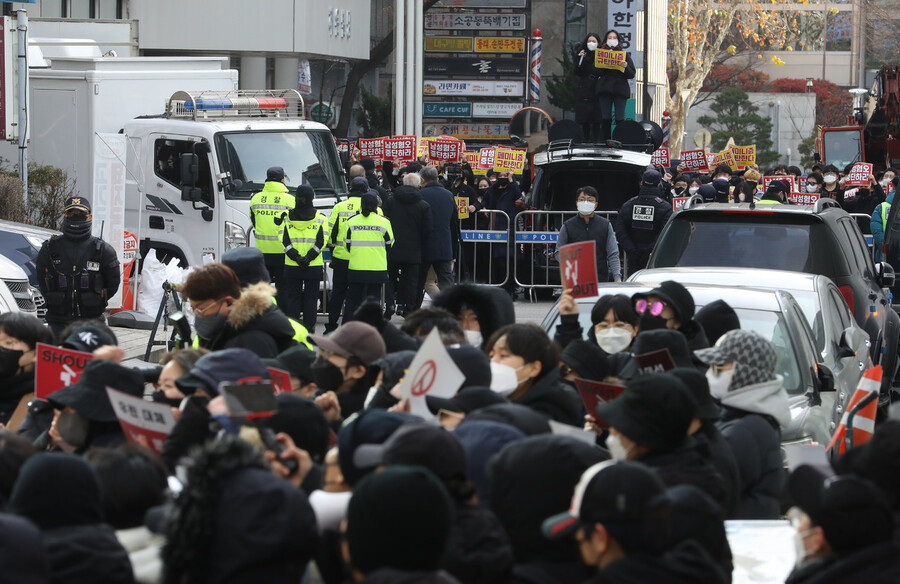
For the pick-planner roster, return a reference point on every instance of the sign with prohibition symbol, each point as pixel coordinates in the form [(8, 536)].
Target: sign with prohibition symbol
[(424, 378), (431, 373)]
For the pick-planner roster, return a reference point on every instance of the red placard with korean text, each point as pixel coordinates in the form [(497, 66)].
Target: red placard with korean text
[(859, 175), (445, 151), (593, 393), (400, 149), (803, 198), (578, 268), (372, 148), (694, 161), (143, 422), (660, 158), (678, 202), (281, 380), (57, 368), (654, 362), (788, 180), (486, 158)]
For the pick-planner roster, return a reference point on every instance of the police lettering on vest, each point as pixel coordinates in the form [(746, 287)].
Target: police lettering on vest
[(302, 236), (265, 206)]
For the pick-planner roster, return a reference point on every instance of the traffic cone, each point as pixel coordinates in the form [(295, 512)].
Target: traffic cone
[(864, 420)]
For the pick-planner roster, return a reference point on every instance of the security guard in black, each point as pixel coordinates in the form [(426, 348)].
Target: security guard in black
[(77, 273)]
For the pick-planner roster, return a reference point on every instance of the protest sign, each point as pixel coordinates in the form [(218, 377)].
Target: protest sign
[(803, 198), (859, 175), (593, 393), (654, 362), (788, 180), (660, 158), (472, 157), (281, 380), (432, 372), (462, 207), (723, 157), (486, 159), (580, 434), (143, 422), (444, 151), (509, 160), (678, 203), (57, 368), (694, 161), (606, 59), (255, 399), (578, 268), (400, 149), (743, 156), (372, 148)]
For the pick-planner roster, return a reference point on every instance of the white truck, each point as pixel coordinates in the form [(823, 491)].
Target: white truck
[(191, 148)]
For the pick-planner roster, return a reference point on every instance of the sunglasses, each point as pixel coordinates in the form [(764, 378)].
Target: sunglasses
[(656, 307)]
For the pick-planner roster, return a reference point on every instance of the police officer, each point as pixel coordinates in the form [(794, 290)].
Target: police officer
[(304, 239), (77, 273), (266, 206), (366, 237), (340, 260), (640, 221), (776, 194)]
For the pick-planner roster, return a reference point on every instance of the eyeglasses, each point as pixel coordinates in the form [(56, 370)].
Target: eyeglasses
[(603, 325), (202, 311), (656, 307)]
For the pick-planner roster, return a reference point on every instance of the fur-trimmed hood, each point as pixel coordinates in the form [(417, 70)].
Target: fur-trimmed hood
[(254, 301), (255, 323)]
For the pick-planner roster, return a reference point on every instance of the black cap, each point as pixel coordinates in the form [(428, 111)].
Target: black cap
[(88, 338), (776, 186), (474, 364), (626, 497), (77, 204), (365, 427), (670, 339), (275, 173), (393, 367), (654, 411), (88, 396), (227, 365), (304, 196), (676, 295), (529, 421), (359, 185), (304, 422), (708, 192), (467, 400), (587, 359), (651, 178), (851, 511), (433, 447), (698, 385), (296, 360), (248, 263)]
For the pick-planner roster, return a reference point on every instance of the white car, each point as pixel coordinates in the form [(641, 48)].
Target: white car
[(15, 290)]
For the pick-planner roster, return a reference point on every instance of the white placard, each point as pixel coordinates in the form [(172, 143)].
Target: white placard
[(432, 372)]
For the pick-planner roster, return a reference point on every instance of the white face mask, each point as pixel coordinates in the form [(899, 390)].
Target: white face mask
[(585, 207), (503, 378), (612, 42), (812, 188), (885, 182), (612, 339), (830, 179), (474, 338), (718, 384), (592, 46), (800, 552), (693, 190), (616, 449)]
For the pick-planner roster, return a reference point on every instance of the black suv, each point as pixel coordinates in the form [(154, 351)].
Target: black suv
[(822, 239)]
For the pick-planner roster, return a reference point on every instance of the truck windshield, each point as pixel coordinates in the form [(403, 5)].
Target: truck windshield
[(842, 147), (306, 156)]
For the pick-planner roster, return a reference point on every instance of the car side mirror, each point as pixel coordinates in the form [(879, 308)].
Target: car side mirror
[(190, 169), (191, 194), (849, 340), (884, 273), (825, 378)]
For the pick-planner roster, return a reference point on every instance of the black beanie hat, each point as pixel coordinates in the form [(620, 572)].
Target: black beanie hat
[(657, 339), (304, 197), (399, 518), (717, 318), (57, 490), (587, 359)]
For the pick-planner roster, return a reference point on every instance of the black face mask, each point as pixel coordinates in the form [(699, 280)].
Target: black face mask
[(502, 182), (159, 396), (76, 229), (9, 362), (679, 190), (481, 192), (326, 374), (649, 322)]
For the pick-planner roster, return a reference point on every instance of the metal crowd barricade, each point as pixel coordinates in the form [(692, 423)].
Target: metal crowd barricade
[(536, 235), (476, 249), (870, 239)]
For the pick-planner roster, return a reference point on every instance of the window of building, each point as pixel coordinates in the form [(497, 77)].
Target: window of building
[(81, 8), (576, 23), (53, 8), (106, 9)]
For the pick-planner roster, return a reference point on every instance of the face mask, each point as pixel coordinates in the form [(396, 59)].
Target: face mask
[(612, 42), (616, 449), (884, 183), (718, 384), (693, 190), (613, 340), (830, 179), (73, 428), (592, 46), (649, 322), (481, 192), (9, 362), (812, 188), (585, 207), (679, 190), (800, 552), (502, 182), (159, 396), (474, 338), (208, 327), (76, 229), (326, 374), (503, 378)]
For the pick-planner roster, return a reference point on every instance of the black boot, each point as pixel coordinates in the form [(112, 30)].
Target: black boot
[(605, 131)]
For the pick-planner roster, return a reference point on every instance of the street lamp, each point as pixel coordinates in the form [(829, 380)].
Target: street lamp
[(809, 84)]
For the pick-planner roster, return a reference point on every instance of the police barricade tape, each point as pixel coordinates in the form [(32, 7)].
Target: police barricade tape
[(479, 253)]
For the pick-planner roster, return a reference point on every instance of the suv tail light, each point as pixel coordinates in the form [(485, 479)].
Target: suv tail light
[(847, 293)]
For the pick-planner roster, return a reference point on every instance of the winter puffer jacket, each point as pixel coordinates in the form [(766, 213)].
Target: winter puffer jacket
[(412, 223), (553, 398), (478, 551)]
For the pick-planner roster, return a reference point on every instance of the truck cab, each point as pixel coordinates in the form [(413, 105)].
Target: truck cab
[(191, 173)]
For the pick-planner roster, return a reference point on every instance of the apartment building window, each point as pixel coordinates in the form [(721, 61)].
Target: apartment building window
[(105, 9)]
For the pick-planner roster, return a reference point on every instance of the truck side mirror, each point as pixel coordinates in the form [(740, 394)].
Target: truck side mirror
[(202, 147), (190, 170), (192, 194)]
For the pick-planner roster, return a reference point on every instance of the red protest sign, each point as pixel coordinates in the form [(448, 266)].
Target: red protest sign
[(445, 150), (57, 368), (593, 393), (372, 148), (400, 149), (654, 361), (859, 175), (678, 203), (660, 158), (486, 158), (694, 161), (578, 268), (803, 198), (281, 380), (788, 180), (143, 422)]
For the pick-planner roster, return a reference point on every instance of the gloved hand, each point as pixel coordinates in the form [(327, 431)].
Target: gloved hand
[(303, 263), (293, 254)]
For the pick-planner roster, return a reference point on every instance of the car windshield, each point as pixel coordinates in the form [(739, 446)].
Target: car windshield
[(742, 240), (306, 156)]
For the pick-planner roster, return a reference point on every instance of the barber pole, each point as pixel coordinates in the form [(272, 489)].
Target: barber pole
[(665, 128), (534, 81)]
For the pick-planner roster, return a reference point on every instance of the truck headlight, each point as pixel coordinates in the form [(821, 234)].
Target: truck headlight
[(235, 236)]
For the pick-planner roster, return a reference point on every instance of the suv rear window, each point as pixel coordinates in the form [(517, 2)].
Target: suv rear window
[(558, 185), (744, 240)]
